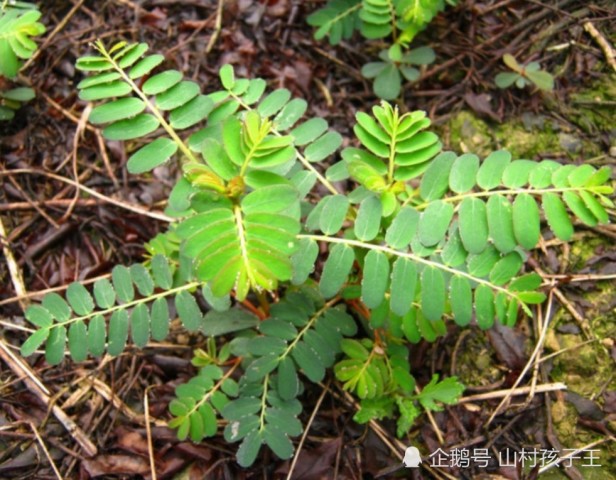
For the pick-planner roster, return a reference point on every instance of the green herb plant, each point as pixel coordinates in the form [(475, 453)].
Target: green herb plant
[(523, 75), (300, 285), (18, 24), (397, 20)]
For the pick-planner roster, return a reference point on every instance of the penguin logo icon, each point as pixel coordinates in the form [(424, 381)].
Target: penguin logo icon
[(412, 459)]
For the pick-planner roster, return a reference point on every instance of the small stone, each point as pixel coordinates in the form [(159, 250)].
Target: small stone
[(570, 143), (613, 152)]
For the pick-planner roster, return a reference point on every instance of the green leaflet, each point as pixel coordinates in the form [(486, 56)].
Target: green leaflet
[(473, 224), (435, 180), (580, 209), (104, 293), (123, 283), (161, 82), (333, 214), (303, 260), (116, 110), (97, 335), (484, 306), (491, 170), (500, 223), (336, 269), (403, 285), (402, 228), (34, 341), (145, 66), (39, 316), (118, 332), (323, 147), (54, 348), (76, 346), (368, 219), (433, 293), (463, 174), (526, 226), (152, 155), (517, 172), (188, 311), (375, 279), (434, 222), (461, 298), (131, 128), (506, 268), (79, 298)]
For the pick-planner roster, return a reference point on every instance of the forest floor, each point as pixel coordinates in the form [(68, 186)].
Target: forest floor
[(88, 420)]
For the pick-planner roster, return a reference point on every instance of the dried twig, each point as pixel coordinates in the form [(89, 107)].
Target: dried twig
[(47, 454), (531, 361), (306, 430), (25, 373), (94, 193), (605, 46), (14, 270), (549, 387), (148, 433)]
